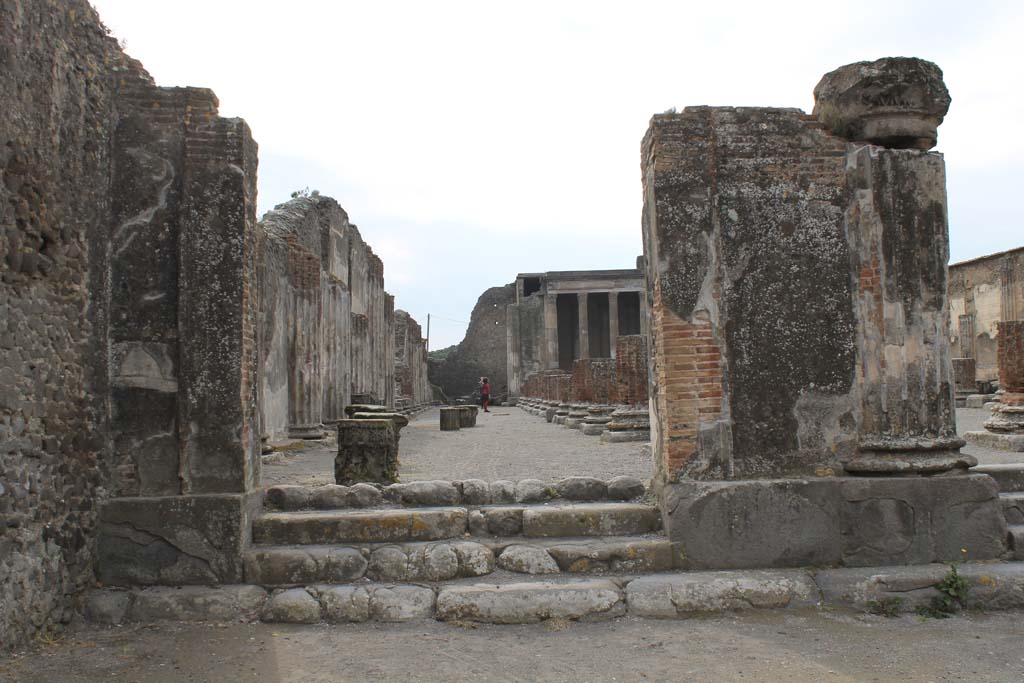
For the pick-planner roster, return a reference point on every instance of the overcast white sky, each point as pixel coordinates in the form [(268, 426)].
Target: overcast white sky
[(470, 141)]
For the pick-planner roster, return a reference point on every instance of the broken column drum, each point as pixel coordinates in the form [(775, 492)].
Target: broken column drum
[(367, 452), (451, 419), (467, 416), (796, 273)]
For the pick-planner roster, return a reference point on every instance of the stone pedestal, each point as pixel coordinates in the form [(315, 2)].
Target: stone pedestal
[(964, 379), (1005, 429), (450, 419), (400, 420), (367, 452), (467, 416), (628, 424), (561, 413), (577, 413), (597, 419)]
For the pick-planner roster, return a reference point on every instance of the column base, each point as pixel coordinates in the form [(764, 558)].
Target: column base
[(842, 521)]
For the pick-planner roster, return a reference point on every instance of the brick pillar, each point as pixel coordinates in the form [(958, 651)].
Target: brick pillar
[(584, 325), (1008, 417), (613, 322)]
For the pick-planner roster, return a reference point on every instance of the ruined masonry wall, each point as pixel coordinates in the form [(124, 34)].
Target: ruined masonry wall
[(411, 382), (58, 70), (327, 325), (482, 352), (983, 292)]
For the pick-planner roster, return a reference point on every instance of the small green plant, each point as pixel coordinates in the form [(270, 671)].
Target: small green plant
[(886, 607), (952, 594)]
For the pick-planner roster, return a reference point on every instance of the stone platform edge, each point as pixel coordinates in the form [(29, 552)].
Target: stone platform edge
[(993, 586)]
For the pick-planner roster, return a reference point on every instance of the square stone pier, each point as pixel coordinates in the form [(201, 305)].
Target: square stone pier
[(802, 399)]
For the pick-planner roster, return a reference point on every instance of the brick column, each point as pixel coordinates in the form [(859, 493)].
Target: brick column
[(1008, 417), (584, 325)]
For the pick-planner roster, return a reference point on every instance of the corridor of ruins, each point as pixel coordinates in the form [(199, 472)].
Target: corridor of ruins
[(208, 415)]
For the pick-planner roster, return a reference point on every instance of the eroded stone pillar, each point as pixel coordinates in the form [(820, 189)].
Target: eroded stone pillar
[(1005, 429), (367, 452), (899, 247), (550, 331)]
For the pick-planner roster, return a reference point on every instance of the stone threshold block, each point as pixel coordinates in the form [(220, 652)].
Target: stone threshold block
[(174, 540), (625, 436), (848, 521), (1013, 443)]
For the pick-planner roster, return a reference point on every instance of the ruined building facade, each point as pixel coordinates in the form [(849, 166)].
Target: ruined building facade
[(151, 332), (982, 293), (580, 336)]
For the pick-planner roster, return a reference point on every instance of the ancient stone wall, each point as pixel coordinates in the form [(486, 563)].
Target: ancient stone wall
[(58, 70), (982, 293), (411, 381), (482, 352)]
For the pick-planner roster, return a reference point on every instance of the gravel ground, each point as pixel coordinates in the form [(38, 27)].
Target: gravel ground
[(509, 443), (790, 646)]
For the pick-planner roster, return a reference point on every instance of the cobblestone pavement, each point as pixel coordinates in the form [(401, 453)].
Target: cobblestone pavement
[(788, 646), (509, 443)]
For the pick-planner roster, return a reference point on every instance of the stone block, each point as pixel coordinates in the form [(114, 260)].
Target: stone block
[(625, 436), (475, 559), (595, 519), (299, 566), (290, 497), (474, 492), (198, 603), (524, 603), (108, 606), (625, 488), (427, 493), (614, 556), (293, 606), (1009, 477), (174, 540), (504, 521), (675, 595), (853, 521), (344, 604), (401, 603), (367, 452), (359, 526), (527, 559), (1013, 443), (582, 488), (532, 491), (503, 491)]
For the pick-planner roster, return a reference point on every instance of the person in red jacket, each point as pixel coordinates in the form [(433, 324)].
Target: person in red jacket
[(485, 393)]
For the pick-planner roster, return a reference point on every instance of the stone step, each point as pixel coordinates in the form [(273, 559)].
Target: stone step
[(523, 599), (1015, 540), (433, 524), (1013, 507), (276, 566), (469, 492), (359, 526), (1010, 477)]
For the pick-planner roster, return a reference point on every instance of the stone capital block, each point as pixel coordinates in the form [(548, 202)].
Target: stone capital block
[(367, 452), (893, 102)]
